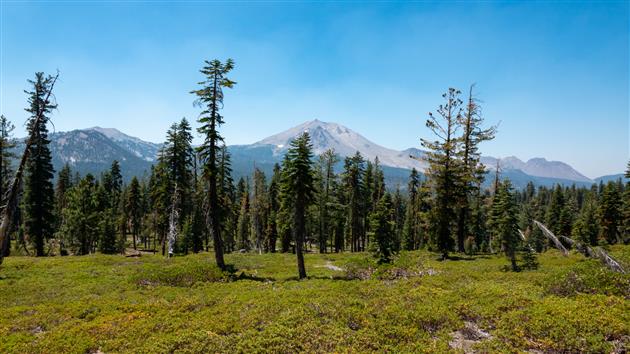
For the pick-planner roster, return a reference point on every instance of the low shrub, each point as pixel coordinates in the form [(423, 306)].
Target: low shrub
[(179, 274)]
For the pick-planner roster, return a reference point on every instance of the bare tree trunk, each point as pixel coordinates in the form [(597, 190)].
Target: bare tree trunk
[(172, 222)]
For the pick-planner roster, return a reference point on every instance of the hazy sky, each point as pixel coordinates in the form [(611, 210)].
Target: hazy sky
[(555, 75)]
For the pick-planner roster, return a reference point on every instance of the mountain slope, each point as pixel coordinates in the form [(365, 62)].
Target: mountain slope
[(538, 167), (92, 150), (143, 149)]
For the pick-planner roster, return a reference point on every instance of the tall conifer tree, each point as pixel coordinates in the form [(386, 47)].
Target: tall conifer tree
[(38, 187), (210, 98), (298, 189)]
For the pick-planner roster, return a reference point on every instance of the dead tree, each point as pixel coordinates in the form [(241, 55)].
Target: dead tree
[(14, 190), (552, 237), (598, 253), (173, 222)]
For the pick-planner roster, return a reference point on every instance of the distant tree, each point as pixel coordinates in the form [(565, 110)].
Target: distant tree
[(353, 185), (80, 226), (133, 206), (114, 183), (586, 227), (284, 219), (326, 173), (444, 171), (383, 229), (274, 208), (178, 155), (243, 228), (554, 210), (411, 228), (610, 213), (398, 204), (160, 199), (298, 188), (210, 98), (38, 188), (259, 212), (108, 243), (505, 225)]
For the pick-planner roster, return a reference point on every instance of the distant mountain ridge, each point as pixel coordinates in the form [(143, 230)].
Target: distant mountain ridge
[(92, 150), (538, 167)]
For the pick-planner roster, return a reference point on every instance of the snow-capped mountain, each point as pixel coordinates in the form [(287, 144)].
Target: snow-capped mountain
[(92, 150), (344, 141)]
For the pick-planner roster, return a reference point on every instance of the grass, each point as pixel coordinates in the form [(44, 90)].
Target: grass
[(185, 304)]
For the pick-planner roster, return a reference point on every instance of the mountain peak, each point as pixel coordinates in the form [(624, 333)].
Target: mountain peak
[(345, 142)]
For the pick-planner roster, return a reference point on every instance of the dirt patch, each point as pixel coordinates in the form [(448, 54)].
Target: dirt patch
[(465, 338)]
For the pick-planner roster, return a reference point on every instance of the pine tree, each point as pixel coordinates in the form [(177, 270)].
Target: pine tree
[(505, 224), (383, 229), (353, 178), (133, 207), (259, 208), (411, 228), (298, 190), (554, 210), (610, 213), (327, 162), (38, 188), (80, 226), (160, 199), (273, 208), (243, 227), (586, 227), (228, 200), (444, 171), (210, 98), (7, 144), (108, 243), (398, 204), (178, 155), (472, 135)]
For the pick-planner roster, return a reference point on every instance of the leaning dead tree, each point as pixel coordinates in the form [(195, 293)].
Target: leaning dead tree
[(552, 237), (14, 190), (597, 252), (172, 222), (587, 251)]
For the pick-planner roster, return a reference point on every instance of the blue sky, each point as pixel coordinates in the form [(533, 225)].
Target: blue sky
[(556, 75)]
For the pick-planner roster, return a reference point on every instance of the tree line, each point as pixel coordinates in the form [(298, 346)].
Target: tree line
[(189, 201)]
